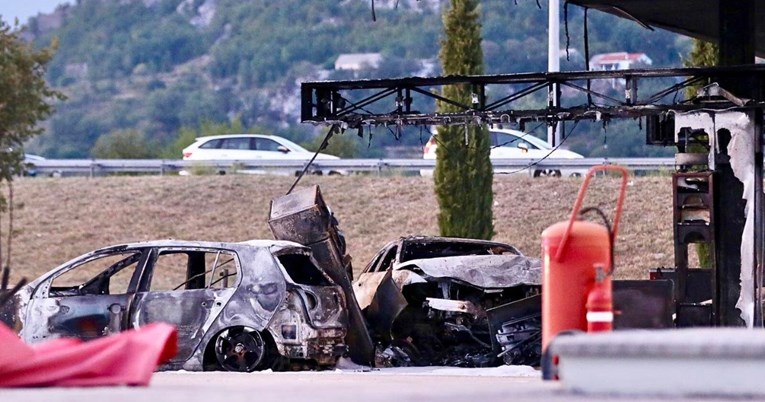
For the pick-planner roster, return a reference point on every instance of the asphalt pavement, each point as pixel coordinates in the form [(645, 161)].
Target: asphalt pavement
[(386, 385)]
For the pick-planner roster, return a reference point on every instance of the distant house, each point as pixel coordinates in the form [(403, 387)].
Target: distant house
[(357, 61), (619, 61)]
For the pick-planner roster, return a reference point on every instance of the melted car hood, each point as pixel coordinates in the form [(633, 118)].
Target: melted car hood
[(483, 271)]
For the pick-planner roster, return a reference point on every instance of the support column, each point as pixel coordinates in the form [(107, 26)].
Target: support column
[(737, 43)]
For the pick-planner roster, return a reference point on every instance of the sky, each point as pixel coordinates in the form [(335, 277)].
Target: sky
[(23, 9)]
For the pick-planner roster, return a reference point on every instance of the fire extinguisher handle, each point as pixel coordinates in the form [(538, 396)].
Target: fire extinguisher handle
[(580, 197)]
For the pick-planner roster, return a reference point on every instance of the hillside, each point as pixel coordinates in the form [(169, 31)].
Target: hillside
[(58, 219), (158, 66)]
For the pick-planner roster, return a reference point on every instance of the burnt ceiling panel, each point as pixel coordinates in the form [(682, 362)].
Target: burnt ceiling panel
[(695, 18)]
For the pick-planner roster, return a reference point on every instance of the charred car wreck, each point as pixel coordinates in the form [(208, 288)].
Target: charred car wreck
[(291, 304), (451, 301), (236, 306)]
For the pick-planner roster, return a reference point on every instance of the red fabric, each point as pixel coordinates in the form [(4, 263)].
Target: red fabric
[(126, 358)]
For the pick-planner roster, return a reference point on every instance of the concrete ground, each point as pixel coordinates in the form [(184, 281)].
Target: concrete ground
[(387, 385)]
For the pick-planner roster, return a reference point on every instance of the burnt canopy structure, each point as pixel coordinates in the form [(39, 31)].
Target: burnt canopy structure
[(718, 21), (726, 114)]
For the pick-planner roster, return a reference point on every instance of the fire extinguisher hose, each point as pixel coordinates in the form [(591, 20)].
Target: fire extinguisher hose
[(607, 224)]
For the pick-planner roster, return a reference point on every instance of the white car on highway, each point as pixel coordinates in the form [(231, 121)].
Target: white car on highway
[(513, 144), (249, 147)]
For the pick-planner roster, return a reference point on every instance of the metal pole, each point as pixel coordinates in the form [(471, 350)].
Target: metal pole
[(553, 63)]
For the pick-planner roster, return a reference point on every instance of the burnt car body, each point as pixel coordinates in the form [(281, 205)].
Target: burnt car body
[(236, 306), (451, 301)]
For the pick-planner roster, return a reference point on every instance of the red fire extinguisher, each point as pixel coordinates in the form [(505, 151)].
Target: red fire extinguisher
[(571, 249), (600, 308)]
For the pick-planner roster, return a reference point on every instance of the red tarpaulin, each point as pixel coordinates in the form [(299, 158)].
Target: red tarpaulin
[(126, 358)]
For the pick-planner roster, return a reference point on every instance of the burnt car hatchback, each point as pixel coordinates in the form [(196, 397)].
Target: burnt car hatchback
[(237, 306), (452, 301)]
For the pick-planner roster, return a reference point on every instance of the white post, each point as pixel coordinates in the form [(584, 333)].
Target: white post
[(553, 61)]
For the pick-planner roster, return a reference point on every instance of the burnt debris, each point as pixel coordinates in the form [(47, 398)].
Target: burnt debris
[(452, 302)]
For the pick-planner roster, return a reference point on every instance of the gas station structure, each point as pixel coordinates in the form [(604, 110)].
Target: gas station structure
[(717, 131)]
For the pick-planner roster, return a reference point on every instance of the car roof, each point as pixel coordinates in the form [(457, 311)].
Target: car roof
[(444, 239), (215, 137), (279, 244)]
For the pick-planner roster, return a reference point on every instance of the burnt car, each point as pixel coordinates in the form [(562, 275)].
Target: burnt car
[(452, 301), (243, 306)]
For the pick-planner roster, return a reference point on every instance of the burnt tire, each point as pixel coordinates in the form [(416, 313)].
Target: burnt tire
[(547, 173), (243, 349)]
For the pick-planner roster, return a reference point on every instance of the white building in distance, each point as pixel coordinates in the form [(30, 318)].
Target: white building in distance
[(358, 61), (619, 61)]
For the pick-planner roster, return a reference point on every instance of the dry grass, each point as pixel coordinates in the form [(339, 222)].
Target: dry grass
[(58, 219)]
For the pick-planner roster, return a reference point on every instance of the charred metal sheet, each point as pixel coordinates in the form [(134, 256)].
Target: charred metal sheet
[(643, 304), (484, 271), (303, 217), (457, 306), (517, 329), (383, 302), (188, 311)]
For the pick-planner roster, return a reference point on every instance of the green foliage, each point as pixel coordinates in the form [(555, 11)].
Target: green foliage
[(24, 96), (463, 174), (703, 54), (124, 144), (153, 66)]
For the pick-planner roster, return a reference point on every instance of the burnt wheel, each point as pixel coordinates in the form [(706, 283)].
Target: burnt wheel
[(241, 349), (547, 173)]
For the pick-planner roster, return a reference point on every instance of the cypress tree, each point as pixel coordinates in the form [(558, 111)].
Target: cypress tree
[(703, 54), (463, 173)]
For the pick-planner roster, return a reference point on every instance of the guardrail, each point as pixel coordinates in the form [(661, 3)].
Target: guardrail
[(95, 167)]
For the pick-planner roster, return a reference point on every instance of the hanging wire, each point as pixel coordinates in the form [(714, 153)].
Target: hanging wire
[(323, 145), (555, 148), (587, 56), (565, 28)]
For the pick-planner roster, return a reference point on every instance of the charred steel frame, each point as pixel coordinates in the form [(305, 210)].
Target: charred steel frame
[(396, 102), (330, 102)]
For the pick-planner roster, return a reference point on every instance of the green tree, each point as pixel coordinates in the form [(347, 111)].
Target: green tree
[(463, 174), (24, 96), (703, 54), (24, 102), (123, 144)]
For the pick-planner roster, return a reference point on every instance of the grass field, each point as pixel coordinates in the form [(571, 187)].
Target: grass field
[(60, 218)]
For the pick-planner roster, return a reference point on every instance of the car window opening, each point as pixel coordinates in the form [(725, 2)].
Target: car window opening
[(115, 276), (302, 270), (415, 251), (189, 270)]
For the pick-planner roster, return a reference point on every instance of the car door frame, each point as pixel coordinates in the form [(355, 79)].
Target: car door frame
[(48, 317), (198, 308)]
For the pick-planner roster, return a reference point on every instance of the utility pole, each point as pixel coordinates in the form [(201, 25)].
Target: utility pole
[(553, 64)]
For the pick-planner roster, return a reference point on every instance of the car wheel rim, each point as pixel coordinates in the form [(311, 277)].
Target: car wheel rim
[(240, 349), (547, 173)]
